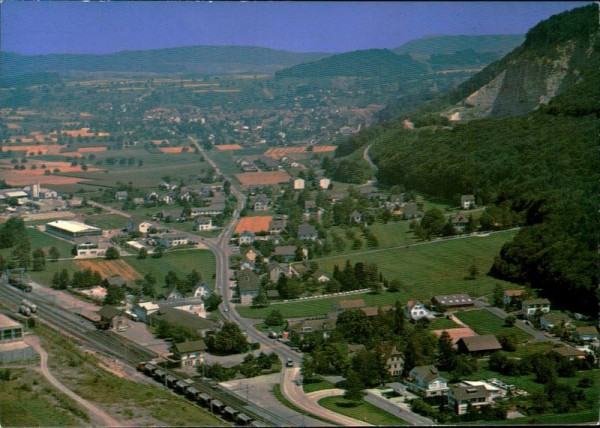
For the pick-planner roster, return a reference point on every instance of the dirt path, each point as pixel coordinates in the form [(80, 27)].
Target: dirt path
[(95, 412)]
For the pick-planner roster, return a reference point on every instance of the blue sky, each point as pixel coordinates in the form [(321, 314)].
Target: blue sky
[(105, 27)]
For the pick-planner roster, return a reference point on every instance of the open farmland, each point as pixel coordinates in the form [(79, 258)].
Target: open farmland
[(174, 149), (224, 147), (23, 178), (154, 166), (109, 268), (484, 322), (44, 241), (278, 152), (34, 149), (181, 262), (263, 178), (438, 267), (424, 270), (107, 221), (254, 224)]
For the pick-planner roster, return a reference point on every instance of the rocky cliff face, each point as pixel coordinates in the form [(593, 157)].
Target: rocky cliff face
[(556, 56), (521, 87)]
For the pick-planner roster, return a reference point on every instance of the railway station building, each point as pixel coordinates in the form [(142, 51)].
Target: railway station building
[(12, 347)]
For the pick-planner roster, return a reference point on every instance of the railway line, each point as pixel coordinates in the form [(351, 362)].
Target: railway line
[(115, 346)]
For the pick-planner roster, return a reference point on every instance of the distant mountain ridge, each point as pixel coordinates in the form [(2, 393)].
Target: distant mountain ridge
[(443, 51), (361, 63), (427, 46), (209, 60)]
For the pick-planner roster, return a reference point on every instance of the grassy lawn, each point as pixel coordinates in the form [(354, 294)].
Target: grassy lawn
[(181, 261), (438, 267), (277, 394), (585, 416), (442, 323), (107, 221), (225, 161), (45, 276), (44, 241), (388, 235), (362, 411), (27, 399), (316, 384), (484, 322)]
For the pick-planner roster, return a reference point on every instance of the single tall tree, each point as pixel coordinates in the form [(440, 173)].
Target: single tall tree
[(446, 355)]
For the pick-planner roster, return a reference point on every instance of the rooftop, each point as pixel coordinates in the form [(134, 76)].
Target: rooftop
[(6, 322), (454, 299), (194, 346), (72, 226), (486, 342)]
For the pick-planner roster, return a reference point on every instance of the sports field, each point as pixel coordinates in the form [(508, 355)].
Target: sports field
[(254, 224)]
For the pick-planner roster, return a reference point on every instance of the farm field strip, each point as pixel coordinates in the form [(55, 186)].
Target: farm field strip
[(484, 322), (264, 178)]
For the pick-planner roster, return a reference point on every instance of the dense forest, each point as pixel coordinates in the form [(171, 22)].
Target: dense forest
[(543, 166)]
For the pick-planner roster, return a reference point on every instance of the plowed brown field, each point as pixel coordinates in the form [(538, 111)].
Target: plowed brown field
[(228, 147), (256, 178), (110, 267)]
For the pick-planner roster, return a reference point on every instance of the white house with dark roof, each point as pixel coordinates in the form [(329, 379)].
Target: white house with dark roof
[(203, 223), (246, 237), (467, 202), (463, 397), (416, 310), (426, 381), (531, 306), (189, 354)]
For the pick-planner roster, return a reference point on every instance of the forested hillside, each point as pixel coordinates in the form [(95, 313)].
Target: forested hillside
[(542, 167), (364, 63)]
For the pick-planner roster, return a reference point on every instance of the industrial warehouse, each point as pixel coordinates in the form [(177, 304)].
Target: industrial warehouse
[(71, 229)]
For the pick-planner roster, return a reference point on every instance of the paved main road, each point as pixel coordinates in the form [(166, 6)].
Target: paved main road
[(290, 390)]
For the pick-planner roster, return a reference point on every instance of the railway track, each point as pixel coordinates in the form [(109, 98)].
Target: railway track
[(115, 346)]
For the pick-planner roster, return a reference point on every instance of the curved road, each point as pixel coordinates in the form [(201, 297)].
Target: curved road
[(289, 388), (101, 415)]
